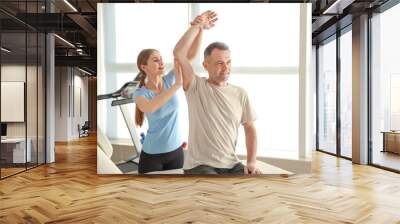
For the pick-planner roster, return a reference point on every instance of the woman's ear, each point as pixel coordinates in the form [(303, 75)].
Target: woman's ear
[(143, 67)]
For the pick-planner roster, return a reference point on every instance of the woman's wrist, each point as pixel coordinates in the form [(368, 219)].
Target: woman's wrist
[(177, 85)]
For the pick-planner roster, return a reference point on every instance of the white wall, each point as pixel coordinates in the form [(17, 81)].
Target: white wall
[(33, 126), (81, 94), (61, 103), (14, 73), (70, 84)]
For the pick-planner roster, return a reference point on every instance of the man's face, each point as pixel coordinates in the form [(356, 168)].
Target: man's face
[(218, 65)]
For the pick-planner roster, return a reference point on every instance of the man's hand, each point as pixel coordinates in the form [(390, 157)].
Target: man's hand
[(251, 169), (206, 20)]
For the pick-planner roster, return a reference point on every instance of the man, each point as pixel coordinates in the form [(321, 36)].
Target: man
[(216, 108)]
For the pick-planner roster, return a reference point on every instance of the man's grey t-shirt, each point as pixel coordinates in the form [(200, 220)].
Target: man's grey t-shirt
[(215, 114)]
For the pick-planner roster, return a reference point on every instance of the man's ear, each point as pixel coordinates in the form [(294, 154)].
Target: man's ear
[(205, 64)]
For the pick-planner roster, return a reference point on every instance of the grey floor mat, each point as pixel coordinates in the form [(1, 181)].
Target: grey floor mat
[(128, 167)]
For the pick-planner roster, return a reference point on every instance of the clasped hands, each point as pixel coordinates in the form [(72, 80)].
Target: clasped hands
[(206, 20)]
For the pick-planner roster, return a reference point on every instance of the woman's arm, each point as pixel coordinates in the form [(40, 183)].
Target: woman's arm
[(150, 106)]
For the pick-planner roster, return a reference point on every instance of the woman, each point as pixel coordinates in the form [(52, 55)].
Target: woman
[(156, 99)]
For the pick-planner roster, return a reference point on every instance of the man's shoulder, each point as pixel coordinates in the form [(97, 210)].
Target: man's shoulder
[(237, 89), (199, 80)]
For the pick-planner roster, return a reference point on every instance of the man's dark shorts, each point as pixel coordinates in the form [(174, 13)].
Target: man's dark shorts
[(238, 169)]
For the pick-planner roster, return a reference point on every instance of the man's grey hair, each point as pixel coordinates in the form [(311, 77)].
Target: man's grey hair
[(212, 46)]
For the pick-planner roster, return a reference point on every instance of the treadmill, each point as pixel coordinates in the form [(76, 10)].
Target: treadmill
[(121, 98)]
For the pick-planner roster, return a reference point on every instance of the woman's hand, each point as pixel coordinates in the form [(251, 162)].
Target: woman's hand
[(178, 73)]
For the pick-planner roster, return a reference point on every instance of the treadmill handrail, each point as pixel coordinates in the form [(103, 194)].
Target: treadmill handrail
[(119, 92), (122, 101)]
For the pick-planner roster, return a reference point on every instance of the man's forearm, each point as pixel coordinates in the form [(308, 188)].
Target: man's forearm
[(184, 44), (181, 53), (251, 144), (195, 48)]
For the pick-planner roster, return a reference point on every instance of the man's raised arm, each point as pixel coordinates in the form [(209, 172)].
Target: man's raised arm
[(182, 49), (195, 48)]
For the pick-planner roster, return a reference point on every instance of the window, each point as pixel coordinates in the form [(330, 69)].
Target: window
[(129, 28), (277, 117), (346, 94), (263, 42), (140, 26), (22, 65), (327, 96), (264, 69), (395, 102), (385, 85)]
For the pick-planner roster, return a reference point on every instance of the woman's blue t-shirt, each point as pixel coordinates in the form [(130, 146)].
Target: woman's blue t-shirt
[(163, 134)]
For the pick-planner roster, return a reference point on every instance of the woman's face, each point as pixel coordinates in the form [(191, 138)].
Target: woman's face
[(155, 65)]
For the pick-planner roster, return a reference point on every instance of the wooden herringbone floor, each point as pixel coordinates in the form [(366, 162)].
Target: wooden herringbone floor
[(70, 191)]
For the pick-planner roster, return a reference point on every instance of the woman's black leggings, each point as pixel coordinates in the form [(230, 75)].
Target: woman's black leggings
[(163, 161)]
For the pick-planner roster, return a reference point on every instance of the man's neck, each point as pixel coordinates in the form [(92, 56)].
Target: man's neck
[(219, 84)]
